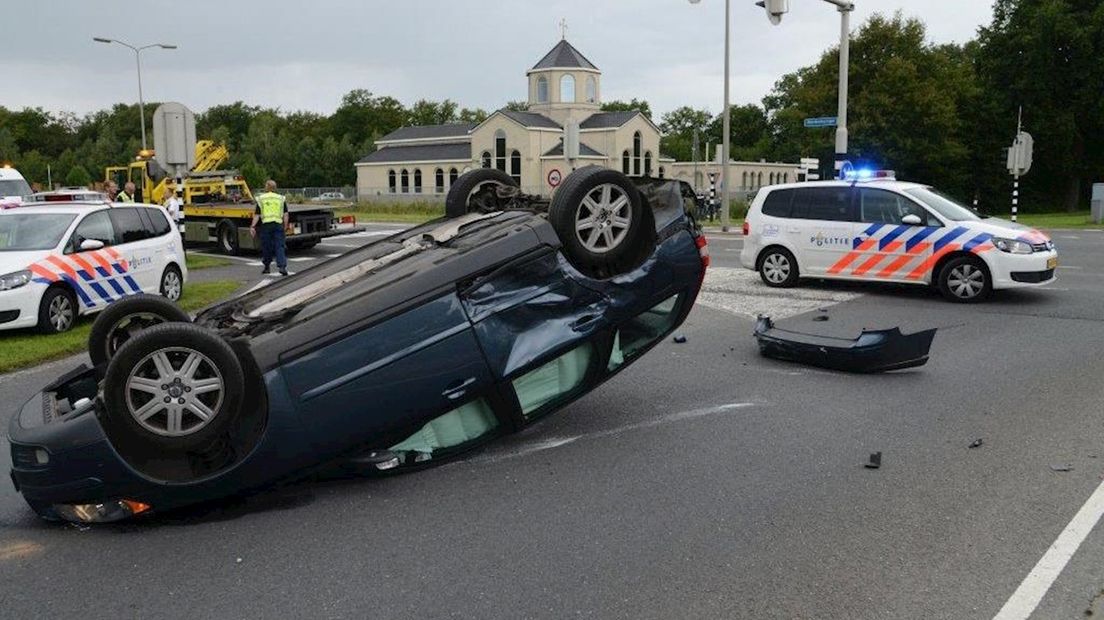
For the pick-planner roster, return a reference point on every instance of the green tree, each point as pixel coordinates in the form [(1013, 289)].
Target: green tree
[(472, 115), (78, 177), (425, 112), (634, 105), (678, 127), (516, 106)]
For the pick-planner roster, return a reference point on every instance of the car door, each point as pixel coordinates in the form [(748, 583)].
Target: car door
[(380, 384), (540, 328), (894, 248), (98, 273), (822, 227), (136, 250)]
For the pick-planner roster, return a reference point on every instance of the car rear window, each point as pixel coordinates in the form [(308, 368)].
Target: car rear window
[(160, 223), (822, 203), (777, 203), (128, 225)]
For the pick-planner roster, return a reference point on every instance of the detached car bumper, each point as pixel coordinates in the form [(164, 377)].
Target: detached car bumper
[(873, 351)]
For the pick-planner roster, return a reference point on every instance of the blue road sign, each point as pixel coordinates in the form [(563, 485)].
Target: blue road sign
[(823, 121)]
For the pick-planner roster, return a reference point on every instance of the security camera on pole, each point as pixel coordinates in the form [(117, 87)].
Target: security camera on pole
[(1019, 161), (775, 10)]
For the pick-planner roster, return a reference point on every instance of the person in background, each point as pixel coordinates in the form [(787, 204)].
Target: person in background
[(174, 204), (127, 195), (272, 214), (111, 189)]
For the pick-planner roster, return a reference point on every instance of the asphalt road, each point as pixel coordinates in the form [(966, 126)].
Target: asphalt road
[(704, 482)]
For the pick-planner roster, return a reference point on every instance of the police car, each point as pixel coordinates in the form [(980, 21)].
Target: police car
[(873, 227), (13, 187), (61, 260)]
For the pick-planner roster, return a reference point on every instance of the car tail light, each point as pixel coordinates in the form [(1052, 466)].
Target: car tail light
[(747, 228), (703, 250)]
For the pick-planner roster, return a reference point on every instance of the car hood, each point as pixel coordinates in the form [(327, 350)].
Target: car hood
[(1004, 228), (18, 261)]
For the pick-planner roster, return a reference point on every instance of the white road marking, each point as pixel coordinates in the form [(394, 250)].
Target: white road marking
[(741, 292), (556, 442), (1038, 582), (333, 255), (375, 233), (300, 259), (1069, 267), (263, 283), (277, 274)]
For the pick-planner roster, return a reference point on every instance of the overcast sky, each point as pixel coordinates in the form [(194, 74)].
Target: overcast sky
[(305, 55)]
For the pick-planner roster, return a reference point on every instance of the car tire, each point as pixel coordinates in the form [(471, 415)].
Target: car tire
[(965, 280), (123, 320), (778, 268), (469, 194), (599, 217), (172, 283), (227, 236), (57, 312), (175, 387)]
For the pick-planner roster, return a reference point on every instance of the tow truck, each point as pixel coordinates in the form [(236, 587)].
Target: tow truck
[(218, 204)]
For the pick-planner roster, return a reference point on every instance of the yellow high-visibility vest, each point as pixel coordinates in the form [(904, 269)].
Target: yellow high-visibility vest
[(272, 208)]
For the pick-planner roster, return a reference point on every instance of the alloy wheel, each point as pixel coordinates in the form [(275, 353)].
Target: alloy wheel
[(966, 281), (603, 218), (174, 392)]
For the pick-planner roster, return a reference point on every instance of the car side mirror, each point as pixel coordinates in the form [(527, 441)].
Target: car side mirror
[(91, 244), (912, 220)]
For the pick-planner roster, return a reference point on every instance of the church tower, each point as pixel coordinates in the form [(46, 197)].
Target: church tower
[(565, 85)]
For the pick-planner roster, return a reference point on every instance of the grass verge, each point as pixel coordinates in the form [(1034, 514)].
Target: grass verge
[(23, 348), (200, 261), (1077, 219), (410, 213)]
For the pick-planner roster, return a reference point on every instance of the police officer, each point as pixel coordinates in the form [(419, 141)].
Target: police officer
[(272, 214), (127, 195)]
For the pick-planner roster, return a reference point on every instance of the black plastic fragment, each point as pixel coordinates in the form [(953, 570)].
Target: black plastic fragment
[(977, 443), (820, 317), (680, 339), (873, 351), (875, 461)]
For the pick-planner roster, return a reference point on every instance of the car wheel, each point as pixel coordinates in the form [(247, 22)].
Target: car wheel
[(175, 387), (965, 280), (57, 311), (778, 268), (172, 283), (227, 235), (123, 320), (598, 215), (478, 191)]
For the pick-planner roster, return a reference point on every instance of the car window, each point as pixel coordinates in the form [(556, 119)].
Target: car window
[(14, 187), (777, 203), (555, 381), (879, 206), (946, 206), (129, 227), (457, 427), (159, 224), (32, 231), (642, 331), (96, 226), (823, 203)]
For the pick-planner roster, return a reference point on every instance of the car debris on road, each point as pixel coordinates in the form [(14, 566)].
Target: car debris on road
[(873, 351)]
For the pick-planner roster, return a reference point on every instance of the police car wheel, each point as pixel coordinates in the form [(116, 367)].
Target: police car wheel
[(172, 283), (965, 280), (175, 387), (57, 311), (778, 268), (123, 320)]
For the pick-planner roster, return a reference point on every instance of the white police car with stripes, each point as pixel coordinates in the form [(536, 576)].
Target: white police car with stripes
[(876, 228), (61, 260)]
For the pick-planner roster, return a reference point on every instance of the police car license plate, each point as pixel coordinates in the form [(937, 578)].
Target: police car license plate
[(1052, 263)]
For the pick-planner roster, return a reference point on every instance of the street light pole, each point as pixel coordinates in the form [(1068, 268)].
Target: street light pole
[(726, 188), (138, 63), (845, 9)]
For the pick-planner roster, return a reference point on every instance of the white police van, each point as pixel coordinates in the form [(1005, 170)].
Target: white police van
[(13, 187), (875, 228), (60, 260)]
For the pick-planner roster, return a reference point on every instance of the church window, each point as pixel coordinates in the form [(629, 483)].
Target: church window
[(625, 162), (417, 181), (515, 166), (591, 90), (647, 163), (567, 88), (542, 89), (439, 181), (637, 146), (405, 181), (500, 150), (486, 159), (391, 181), (453, 175)]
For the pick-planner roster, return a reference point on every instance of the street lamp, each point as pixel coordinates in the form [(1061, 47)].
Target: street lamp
[(138, 61), (726, 188), (775, 9)]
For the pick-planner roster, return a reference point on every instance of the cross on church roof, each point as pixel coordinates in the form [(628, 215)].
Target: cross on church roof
[(563, 29)]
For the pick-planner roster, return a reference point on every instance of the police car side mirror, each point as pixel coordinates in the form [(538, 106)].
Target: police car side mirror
[(91, 244), (912, 220)]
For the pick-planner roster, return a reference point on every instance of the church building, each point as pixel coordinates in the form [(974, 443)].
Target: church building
[(564, 87)]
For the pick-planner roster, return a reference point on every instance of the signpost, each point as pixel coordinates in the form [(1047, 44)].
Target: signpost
[(810, 169), (1019, 161), (821, 121), (554, 178)]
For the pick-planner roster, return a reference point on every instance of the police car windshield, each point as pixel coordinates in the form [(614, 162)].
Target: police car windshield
[(32, 231), (14, 187), (945, 205)]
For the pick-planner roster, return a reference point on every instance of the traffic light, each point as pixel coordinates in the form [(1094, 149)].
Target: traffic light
[(775, 9)]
